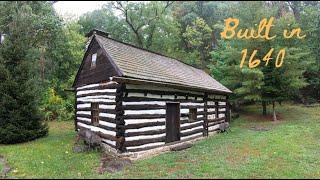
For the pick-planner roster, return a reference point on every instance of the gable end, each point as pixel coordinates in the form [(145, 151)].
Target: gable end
[(104, 69)]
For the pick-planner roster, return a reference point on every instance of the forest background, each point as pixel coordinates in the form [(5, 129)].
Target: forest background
[(40, 53)]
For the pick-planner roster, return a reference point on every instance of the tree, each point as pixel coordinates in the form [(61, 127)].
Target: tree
[(310, 21), (28, 26), (199, 37), (142, 19), (106, 20), (264, 83), (148, 25), (64, 59)]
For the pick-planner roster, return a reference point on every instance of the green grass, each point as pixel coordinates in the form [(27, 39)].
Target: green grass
[(51, 156), (289, 149)]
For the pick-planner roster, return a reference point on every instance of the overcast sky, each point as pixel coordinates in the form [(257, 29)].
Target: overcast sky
[(76, 8)]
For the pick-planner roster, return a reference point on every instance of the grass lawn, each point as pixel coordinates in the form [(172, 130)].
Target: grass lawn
[(256, 148)]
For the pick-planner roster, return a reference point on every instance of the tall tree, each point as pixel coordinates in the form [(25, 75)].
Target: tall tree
[(27, 26), (265, 83), (142, 19), (310, 22), (198, 36), (199, 20), (147, 24), (106, 20), (63, 60)]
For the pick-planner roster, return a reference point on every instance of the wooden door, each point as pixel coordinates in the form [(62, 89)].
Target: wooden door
[(172, 122)]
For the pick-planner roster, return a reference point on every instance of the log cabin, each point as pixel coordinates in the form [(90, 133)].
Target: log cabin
[(137, 100)]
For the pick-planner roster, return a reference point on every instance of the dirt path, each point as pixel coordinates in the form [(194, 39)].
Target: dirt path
[(6, 168)]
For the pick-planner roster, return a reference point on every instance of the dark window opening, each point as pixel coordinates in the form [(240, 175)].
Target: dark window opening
[(95, 114), (192, 114)]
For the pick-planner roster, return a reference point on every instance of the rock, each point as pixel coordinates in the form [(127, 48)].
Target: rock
[(6, 168), (80, 148), (112, 164), (181, 147), (223, 127), (91, 138), (126, 161)]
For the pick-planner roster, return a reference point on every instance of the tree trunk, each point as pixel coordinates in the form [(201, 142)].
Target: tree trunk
[(235, 106), (264, 108), (274, 112), (202, 58), (42, 63)]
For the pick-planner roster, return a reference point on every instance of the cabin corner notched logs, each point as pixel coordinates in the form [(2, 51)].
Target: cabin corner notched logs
[(132, 118)]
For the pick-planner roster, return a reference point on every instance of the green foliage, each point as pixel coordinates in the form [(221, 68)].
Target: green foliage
[(199, 33), (142, 19), (105, 20), (191, 31), (199, 37), (20, 118), (310, 21), (41, 53), (19, 112), (147, 24), (265, 82), (56, 108)]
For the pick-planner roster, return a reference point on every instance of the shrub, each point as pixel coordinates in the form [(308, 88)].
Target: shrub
[(56, 108)]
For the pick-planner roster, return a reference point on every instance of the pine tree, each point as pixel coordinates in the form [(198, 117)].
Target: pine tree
[(20, 119), (28, 27), (264, 83)]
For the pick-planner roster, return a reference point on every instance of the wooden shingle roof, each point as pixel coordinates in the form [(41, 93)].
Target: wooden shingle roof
[(137, 63)]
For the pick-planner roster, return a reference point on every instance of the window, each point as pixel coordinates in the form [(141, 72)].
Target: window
[(94, 60), (1, 38), (95, 114), (192, 114)]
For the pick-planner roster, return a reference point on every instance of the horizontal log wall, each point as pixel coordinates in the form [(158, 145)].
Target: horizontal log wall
[(216, 112), (105, 95), (145, 116)]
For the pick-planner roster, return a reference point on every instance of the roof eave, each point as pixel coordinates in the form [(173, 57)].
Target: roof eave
[(124, 79)]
